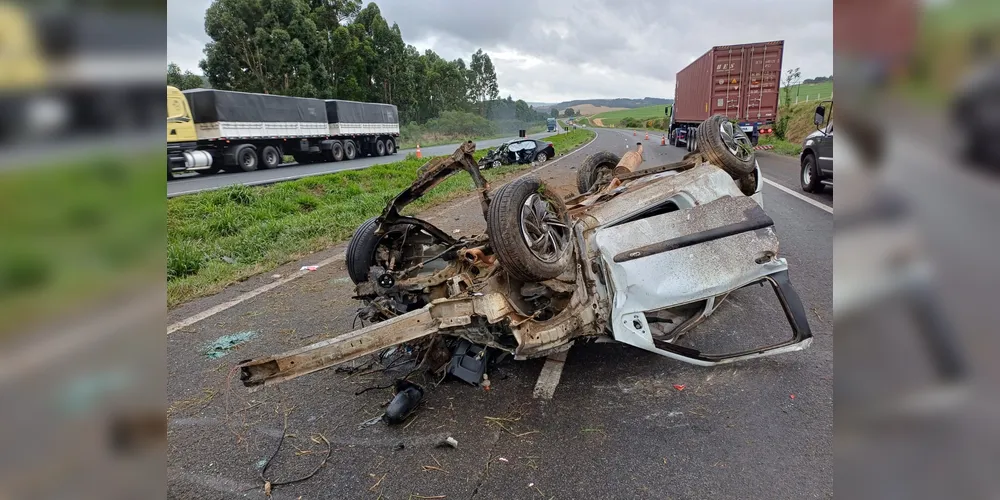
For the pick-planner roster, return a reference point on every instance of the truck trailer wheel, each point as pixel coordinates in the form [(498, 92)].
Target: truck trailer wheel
[(270, 157), (379, 148), (246, 158), (595, 170), (350, 150), (726, 146), (529, 230), (337, 151), (390, 146)]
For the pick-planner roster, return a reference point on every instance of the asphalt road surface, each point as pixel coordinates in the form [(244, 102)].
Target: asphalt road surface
[(194, 183), (616, 426)]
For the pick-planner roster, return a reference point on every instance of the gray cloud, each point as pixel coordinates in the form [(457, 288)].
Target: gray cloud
[(571, 49)]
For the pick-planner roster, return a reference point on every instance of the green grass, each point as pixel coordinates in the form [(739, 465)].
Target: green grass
[(567, 141), (437, 140), (609, 118), (220, 237), (77, 231), (780, 146), (815, 92)]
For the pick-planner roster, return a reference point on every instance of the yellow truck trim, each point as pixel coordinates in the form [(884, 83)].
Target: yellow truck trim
[(180, 123)]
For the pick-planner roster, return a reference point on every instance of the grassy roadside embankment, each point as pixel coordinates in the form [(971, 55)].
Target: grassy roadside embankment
[(78, 231), (812, 91), (217, 238), (429, 139), (614, 118), (800, 124)]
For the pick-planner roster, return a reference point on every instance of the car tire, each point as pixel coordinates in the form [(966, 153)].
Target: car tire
[(808, 175), (390, 147), (350, 150), (269, 157), (360, 254), (246, 159), (594, 167), (726, 146), (541, 157), (379, 148), (521, 210)]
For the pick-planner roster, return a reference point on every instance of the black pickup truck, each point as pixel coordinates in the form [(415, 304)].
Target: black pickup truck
[(817, 153)]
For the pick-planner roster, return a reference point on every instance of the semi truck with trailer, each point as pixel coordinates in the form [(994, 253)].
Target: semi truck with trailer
[(740, 82), (210, 130), (78, 72), (550, 124)]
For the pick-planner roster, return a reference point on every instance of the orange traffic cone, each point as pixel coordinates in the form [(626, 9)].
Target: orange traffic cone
[(663, 140), (647, 136), (418, 152)]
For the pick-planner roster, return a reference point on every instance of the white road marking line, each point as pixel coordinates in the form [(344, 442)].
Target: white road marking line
[(186, 322), (821, 206), (548, 379), (212, 311), (69, 341)]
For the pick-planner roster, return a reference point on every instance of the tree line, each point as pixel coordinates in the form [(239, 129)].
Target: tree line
[(334, 49), (818, 79)]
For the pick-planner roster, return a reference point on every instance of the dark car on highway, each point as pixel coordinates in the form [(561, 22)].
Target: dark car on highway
[(518, 151), (817, 154)]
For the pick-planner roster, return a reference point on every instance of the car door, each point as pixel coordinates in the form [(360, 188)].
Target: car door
[(534, 147), (824, 150)]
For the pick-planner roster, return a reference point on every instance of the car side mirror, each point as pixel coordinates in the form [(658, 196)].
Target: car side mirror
[(820, 116)]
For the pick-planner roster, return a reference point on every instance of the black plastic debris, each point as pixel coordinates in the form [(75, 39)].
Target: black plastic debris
[(469, 362), (408, 396)]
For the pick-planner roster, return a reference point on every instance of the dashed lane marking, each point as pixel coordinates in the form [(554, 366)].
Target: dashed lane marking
[(548, 379)]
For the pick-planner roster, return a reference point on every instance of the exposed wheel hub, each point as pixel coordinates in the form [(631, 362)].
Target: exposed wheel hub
[(736, 141), (543, 231)]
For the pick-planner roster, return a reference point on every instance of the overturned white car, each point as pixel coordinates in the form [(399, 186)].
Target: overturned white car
[(640, 256)]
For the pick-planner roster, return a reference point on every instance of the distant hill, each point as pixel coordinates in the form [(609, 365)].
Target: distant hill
[(621, 102)]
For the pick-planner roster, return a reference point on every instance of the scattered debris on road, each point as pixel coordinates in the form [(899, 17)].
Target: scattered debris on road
[(222, 345), (449, 441), (408, 396), (308, 268), (550, 270)]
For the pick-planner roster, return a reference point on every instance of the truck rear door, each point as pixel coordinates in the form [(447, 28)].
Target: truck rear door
[(762, 77)]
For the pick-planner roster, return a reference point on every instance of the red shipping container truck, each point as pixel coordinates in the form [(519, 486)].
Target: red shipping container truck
[(738, 81)]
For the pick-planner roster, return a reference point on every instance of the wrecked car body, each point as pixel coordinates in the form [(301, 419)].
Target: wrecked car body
[(517, 151), (640, 256)]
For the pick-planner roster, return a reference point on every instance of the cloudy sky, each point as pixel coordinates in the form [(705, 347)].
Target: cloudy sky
[(557, 50)]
